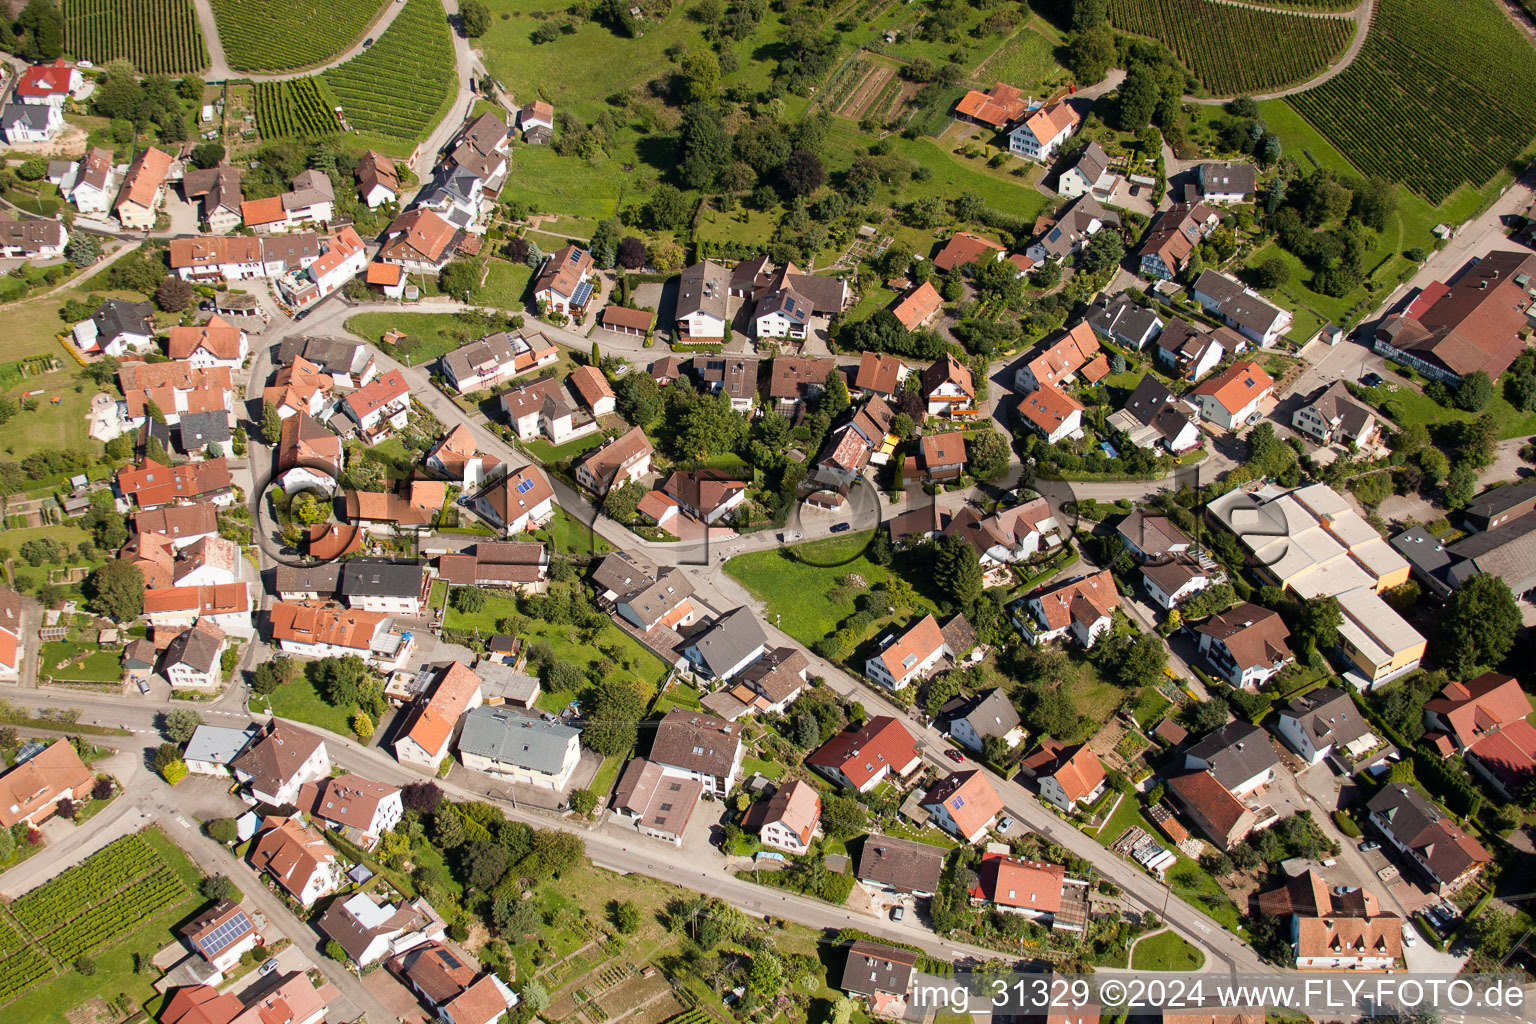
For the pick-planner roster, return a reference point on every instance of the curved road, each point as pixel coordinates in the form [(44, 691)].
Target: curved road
[(218, 65)]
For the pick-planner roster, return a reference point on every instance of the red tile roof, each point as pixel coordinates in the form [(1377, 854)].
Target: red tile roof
[(1237, 385), (999, 106), (879, 743), (965, 248)]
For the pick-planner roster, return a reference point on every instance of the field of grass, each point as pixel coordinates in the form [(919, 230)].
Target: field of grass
[(567, 535), (550, 453), (1407, 405), (1166, 951), (550, 183), (639, 663), (1025, 59), (98, 667), (798, 595), (300, 701), (160, 37), (506, 285), (329, 28), (438, 332)]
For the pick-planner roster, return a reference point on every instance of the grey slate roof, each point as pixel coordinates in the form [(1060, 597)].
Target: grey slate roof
[(1235, 303), (503, 735), (200, 429), (1123, 318), (729, 640), (704, 288), (115, 317), (1334, 403), (196, 647), (378, 577), (318, 579), (334, 355), (990, 713), (32, 115), (901, 863), (1236, 753), (1328, 716)]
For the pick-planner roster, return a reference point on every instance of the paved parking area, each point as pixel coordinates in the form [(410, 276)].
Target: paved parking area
[(397, 999)]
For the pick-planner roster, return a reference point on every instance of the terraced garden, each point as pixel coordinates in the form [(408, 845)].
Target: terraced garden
[(160, 37), (1438, 96), (397, 88), (1237, 50), (318, 31), (293, 108)]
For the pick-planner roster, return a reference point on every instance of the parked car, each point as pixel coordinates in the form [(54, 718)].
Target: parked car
[(1369, 845), (1410, 937), (368, 41), (1340, 890), (898, 912), (841, 527), (955, 755), (1005, 825), (1371, 380), (269, 966)]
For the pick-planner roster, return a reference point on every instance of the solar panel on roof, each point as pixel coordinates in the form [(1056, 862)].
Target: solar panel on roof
[(226, 933), (524, 486)]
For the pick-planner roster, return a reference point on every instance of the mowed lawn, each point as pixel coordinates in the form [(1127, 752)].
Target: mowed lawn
[(438, 332), (1166, 951), (300, 701), (800, 594)]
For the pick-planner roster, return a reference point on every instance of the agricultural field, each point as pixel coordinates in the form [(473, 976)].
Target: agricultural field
[(1436, 98), (1237, 50), (398, 87), (246, 30), (160, 37), (868, 87), (1026, 58), (293, 108)]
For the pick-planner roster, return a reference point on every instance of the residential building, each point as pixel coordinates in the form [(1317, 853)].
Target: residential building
[(380, 585), (1246, 644), (943, 456), (973, 719), (30, 792), (1234, 397), (1067, 776), (889, 864), (420, 241), (1333, 416), (915, 309), (482, 149), (1190, 354), (777, 678), (948, 389), (342, 257), (660, 805), (880, 376), (520, 565), (1464, 713), (298, 859), (565, 282), (212, 748), (215, 343), (695, 746), (218, 192), (1239, 755), (1069, 233), (1041, 134), (380, 407), (427, 730), (198, 432), (1010, 535), (537, 123), (1506, 758), (1124, 322), (501, 742), (226, 606), (733, 376), (1240, 308), (591, 387), (183, 524), (1059, 363), (368, 929), (910, 657), (143, 188), (455, 991), (377, 180), (793, 380), (221, 934), (279, 762), (1175, 580), (361, 809), (703, 298), (412, 509), (10, 634), (616, 462), (1317, 723), (519, 502), (1152, 538), (1083, 606), (963, 249), (173, 388), (1507, 551), (48, 84), (1219, 815), (862, 758), (32, 239), (996, 108), (1090, 173), (789, 819), (350, 364), (95, 183), (230, 258), (1029, 888), (704, 494), (1172, 236), (729, 645), (309, 456), (1442, 851), (883, 976), (963, 804), (314, 632), (311, 201), (645, 595), (542, 407), (117, 328), (1051, 413), (457, 457), (782, 314), (1474, 322), (293, 999), (1226, 182), (191, 661)]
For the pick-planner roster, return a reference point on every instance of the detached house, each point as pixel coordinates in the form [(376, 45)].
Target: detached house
[(1189, 354), (1059, 363), (1226, 182), (191, 661), (943, 456), (28, 238), (732, 643), (1241, 308), (880, 376), (501, 742), (1333, 416), (117, 328), (381, 407), (1173, 581), (1239, 755), (216, 343), (690, 745), (219, 191), (48, 84), (1152, 417), (1317, 723), (964, 249), (221, 934), (1070, 232), (316, 632), (909, 657), (1010, 535), (1089, 174), (732, 376), (1219, 815), (298, 859), (617, 462), (30, 122), (883, 976), (948, 388), (1125, 323), (518, 502), (706, 495), (281, 761), (1246, 645), (659, 805), (1083, 606), (964, 804), (31, 791), (457, 992), (1416, 828), (377, 180), (789, 819), (369, 929), (310, 201), (1067, 776), (95, 183), (495, 359), (703, 300), (1030, 888), (420, 241), (914, 309), (1041, 134), (143, 188), (975, 719), (645, 595), (889, 864), (1172, 236), (794, 380), (564, 285), (1235, 396), (996, 108), (537, 123), (1051, 413), (359, 808), (862, 758)]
